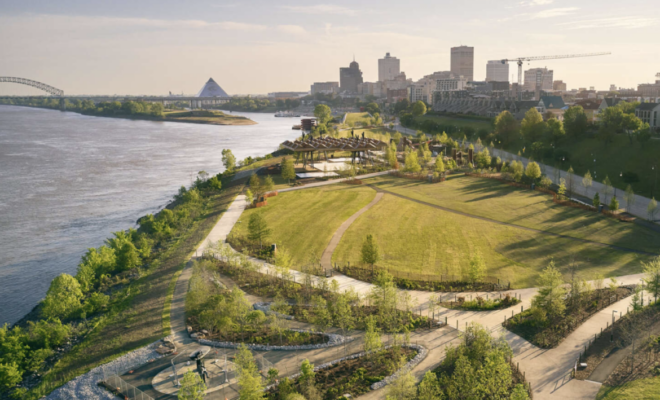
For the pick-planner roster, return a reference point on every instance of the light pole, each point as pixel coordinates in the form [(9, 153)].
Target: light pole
[(613, 316), (642, 279), (655, 181)]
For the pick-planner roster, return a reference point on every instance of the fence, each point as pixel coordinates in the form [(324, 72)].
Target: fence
[(120, 387)]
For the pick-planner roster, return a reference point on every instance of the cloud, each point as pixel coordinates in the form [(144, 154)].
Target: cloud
[(93, 22), (532, 3), (632, 22), (554, 12), (291, 29), (321, 9)]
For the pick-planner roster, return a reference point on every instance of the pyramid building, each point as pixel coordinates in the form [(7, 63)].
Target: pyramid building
[(212, 89)]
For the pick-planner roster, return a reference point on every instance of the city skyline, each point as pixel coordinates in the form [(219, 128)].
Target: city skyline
[(96, 48)]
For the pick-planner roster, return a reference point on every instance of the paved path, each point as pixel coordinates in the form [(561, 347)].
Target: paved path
[(547, 370), (326, 257), (333, 181)]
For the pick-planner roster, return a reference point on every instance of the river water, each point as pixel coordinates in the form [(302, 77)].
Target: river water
[(68, 180)]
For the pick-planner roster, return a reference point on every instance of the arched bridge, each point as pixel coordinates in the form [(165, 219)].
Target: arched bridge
[(38, 85)]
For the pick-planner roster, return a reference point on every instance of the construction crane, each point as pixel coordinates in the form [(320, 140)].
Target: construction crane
[(521, 60)]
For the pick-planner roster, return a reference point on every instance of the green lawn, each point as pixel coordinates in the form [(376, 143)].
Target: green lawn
[(643, 389), (353, 118), (492, 199), (303, 221), (462, 122), (382, 134), (420, 239)]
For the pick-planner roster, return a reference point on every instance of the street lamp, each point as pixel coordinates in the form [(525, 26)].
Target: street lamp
[(613, 316)]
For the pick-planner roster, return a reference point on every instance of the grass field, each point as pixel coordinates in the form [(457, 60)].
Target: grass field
[(462, 122), (354, 118), (491, 199), (304, 221), (382, 134), (643, 389), (420, 239)]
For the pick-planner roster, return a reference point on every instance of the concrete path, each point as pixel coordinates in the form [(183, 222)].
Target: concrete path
[(326, 257)]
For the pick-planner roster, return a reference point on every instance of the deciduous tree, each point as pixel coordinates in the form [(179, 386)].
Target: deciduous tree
[(533, 171), (370, 253), (288, 170), (258, 228), (63, 297), (587, 181), (418, 108), (532, 126), (192, 387), (228, 160)]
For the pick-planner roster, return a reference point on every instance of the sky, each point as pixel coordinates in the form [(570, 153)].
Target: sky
[(255, 47)]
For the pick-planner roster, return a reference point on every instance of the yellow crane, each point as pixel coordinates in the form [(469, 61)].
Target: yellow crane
[(521, 60)]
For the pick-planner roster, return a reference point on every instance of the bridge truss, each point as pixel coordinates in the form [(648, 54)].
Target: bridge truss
[(46, 88)]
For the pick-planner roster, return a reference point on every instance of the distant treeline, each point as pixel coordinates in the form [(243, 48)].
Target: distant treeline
[(137, 108), (255, 104)]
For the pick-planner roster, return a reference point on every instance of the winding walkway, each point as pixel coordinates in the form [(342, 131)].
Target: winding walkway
[(547, 370)]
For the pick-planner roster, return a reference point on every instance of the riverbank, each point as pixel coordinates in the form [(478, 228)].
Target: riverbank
[(206, 117)]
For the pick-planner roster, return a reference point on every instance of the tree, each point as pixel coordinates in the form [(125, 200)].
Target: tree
[(629, 196), (63, 297), (477, 270), (608, 190), (575, 121), (403, 387), (156, 109), (550, 297), (343, 313), (192, 387), (439, 165), (215, 183), (127, 257), (412, 162), (228, 160), (596, 201), (322, 318), (652, 208), (483, 158), (519, 392), (533, 171), (562, 188), (323, 113), (555, 130), (372, 108), (372, 342), (249, 197), (532, 126), (614, 204), (288, 169), (587, 181), (506, 126), (249, 380), (268, 184), (652, 276), (517, 170), (418, 108), (257, 186), (429, 388), (10, 375), (370, 253), (569, 180), (94, 263), (258, 228)]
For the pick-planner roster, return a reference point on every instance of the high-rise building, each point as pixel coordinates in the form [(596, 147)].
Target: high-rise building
[(325, 87), (541, 77), (559, 86), (496, 71), (462, 62), (388, 68), (350, 78)]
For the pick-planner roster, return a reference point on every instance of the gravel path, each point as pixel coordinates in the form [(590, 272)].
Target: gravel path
[(85, 387)]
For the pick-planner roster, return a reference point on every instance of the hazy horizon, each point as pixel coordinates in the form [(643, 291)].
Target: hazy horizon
[(258, 47)]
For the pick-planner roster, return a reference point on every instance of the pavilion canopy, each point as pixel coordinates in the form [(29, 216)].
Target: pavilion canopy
[(333, 144)]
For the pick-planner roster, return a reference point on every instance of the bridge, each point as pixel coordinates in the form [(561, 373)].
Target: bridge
[(195, 102)]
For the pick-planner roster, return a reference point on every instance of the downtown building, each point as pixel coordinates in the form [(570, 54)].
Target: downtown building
[(388, 68), (325, 87), (541, 77), (350, 78), (462, 62), (496, 71)]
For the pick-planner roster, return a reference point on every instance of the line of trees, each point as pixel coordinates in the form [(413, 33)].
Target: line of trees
[(130, 107)]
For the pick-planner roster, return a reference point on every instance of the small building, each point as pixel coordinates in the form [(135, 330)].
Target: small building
[(308, 124), (649, 113), (591, 108), (554, 104)]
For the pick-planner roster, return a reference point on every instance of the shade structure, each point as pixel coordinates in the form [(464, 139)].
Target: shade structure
[(333, 144)]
